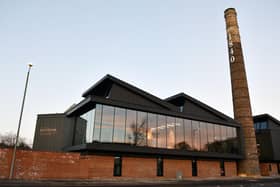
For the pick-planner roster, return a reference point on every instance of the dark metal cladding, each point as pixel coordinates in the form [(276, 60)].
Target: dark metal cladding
[(240, 94), (268, 137), (53, 132)]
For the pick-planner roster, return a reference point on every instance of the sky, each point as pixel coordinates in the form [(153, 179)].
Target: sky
[(161, 46)]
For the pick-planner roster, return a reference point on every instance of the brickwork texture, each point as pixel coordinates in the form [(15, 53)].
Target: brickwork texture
[(57, 165)]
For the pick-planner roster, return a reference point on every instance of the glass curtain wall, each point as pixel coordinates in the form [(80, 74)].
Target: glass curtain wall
[(120, 125)]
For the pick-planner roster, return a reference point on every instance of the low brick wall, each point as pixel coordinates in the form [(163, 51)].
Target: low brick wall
[(57, 165)]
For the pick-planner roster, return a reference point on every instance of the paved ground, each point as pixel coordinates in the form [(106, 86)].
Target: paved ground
[(197, 182)]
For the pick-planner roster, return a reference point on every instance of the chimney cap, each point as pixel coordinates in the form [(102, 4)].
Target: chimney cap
[(230, 11)]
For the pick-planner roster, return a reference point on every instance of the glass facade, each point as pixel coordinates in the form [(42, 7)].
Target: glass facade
[(120, 125)]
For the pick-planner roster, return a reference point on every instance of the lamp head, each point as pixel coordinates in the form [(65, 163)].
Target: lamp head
[(30, 65)]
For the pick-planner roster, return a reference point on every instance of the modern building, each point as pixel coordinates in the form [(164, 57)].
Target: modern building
[(267, 130), (137, 128)]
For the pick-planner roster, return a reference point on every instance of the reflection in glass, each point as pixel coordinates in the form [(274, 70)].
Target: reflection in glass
[(210, 130), (161, 131), (119, 125), (130, 127), (141, 129), (180, 139), (223, 133), (217, 129), (203, 137), (97, 122), (196, 135), (170, 132), (107, 124), (229, 132), (152, 130), (188, 134)]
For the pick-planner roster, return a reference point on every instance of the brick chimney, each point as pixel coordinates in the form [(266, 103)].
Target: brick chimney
[(240, 95)]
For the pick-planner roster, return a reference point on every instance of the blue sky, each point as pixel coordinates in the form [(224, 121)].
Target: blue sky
[(163, 47)]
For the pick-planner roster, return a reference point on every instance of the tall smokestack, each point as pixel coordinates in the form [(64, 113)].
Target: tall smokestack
[(240, 95)]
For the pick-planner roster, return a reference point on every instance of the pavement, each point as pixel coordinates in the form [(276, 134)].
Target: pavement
[(117, 182)]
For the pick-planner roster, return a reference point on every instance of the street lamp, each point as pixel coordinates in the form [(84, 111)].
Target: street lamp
[(19, 123)]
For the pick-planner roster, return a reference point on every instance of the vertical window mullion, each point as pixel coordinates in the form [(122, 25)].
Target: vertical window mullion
[(101, 121), (113, 123)]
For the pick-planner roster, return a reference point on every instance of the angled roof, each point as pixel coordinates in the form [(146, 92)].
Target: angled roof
[(199, 104), (266, 116), (99, 93), (133, 89)]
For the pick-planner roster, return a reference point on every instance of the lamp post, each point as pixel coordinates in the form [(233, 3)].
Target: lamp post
[(19, 123)]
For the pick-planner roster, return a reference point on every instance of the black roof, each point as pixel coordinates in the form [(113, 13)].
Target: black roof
[(92, 96), (130, 87), (215, 112), (266, 117)]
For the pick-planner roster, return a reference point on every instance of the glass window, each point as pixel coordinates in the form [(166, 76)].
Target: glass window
[(107, 124), (84, 128), (223, 133), (130, 127), (118, 166), (229, 133), (161, 131), (141, 129), (203, 136), (97, 122), (263, 125), (159, 167), (170, 132), (217, 129), (180, 139), (119, 125), (152, 130), (196, 135), (224, 143), (211, 137), (188, 134), (234, 132)]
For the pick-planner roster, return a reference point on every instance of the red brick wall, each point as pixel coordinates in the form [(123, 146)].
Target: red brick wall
[(264, 167), (208, 168), (56, 165), (171, 167), (139, 167), (231, 169)]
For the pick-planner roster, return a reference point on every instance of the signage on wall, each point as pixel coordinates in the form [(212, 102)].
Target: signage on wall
[(230, 47)]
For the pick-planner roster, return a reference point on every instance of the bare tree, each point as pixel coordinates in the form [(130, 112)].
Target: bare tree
[(8, 141)]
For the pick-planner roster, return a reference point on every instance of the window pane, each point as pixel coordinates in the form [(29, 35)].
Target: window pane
[(118, 166), (224, 142), (97, 122), (152, 130), (107, 124), (141, 134), (203, 136), (217, 129), (188, 134), (211, 137), (161, 131), (130, 127), (119, 125), (84, 128), (159, 167), (170, 132), (223, 132), (180, 139), (234, 133), (229, 133), (196, 135)]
